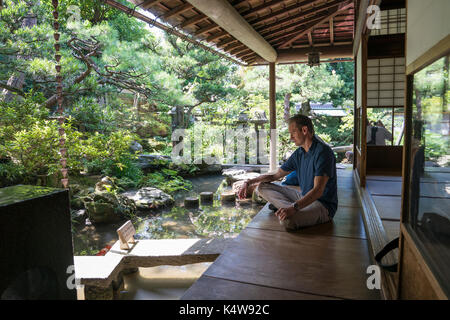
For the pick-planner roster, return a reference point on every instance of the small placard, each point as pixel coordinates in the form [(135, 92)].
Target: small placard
[(126, 233)]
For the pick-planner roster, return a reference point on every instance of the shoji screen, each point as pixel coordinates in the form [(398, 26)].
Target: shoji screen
[(385, 82)]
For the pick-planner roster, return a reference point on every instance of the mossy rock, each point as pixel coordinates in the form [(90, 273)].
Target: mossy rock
[(102, 212)]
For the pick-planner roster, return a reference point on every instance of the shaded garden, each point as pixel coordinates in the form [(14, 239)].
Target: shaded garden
[(122, 83)]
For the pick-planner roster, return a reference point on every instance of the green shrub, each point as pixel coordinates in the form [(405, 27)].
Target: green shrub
[(89, 116), (11, 174), (166, 180)]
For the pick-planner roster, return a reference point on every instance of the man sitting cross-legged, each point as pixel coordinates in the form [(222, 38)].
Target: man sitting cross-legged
[(315, 165)]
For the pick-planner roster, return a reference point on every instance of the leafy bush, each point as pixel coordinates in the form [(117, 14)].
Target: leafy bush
[(11, 174), (17, 115), (36, 148), (167, 180), (89, 116)]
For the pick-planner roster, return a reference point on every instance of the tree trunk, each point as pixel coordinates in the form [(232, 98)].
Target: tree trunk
[(306, 108), (17, 80), (287, 107)]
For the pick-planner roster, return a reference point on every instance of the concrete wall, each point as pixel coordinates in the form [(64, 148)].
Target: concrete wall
[(428, 22)]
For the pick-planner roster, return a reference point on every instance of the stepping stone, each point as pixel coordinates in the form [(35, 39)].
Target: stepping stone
[(228, 196), (191, 202), (206, 197)]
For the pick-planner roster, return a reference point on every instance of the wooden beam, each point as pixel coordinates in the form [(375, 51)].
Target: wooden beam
[(226, 16), (240, 52), (177, 10), (284, 12), (189, 22), (216, 36), (274, 39), (300, 16), (273, 118), (206, 29), (308, 28), (294, 27), (363, 164), (331, 31), (147, 4), (260, 8), (227, 41), (245, 14), (233, 46), (300, 54), (310, 39)]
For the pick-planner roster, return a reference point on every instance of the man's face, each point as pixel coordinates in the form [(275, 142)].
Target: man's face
[(297, 136)]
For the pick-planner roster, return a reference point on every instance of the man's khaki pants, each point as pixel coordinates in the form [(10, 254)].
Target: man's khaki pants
[(284, 197)]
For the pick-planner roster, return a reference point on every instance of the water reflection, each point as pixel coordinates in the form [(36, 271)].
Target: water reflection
[(162, 282), (209, 221), (215, 221)]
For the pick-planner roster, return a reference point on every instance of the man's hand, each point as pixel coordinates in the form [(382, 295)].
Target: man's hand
[(242, 194), (285, 213)]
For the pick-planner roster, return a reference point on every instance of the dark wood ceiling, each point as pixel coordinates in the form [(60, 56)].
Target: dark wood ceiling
[(284, 24)]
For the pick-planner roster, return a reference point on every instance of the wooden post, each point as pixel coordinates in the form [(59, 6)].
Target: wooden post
[(355, 114), (273, 119), (363, 53)]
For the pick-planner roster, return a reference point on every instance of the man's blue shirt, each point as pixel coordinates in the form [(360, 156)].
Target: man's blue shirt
[(318, 161)]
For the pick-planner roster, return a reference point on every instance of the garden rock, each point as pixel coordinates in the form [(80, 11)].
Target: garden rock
[(79, 215), (149, 198), (104, 185), (107, 207), (77, 203), (102, 212), (149, 162), (237, 175), (136, 147)]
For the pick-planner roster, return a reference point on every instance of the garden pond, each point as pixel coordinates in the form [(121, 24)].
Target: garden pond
[(216, 220)]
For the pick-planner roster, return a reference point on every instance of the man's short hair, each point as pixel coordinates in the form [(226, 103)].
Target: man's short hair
[(301, 121)]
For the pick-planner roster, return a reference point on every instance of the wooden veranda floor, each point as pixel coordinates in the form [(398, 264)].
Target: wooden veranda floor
[(328, 261)]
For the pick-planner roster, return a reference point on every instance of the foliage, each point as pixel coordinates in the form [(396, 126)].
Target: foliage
[(167, 180), (11, 174)]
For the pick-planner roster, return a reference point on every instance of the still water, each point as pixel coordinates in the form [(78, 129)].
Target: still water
[(209, 221)]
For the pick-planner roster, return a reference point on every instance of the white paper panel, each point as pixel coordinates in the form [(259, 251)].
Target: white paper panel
[(372, 94), (400, 85), (372, 102), (372, 78), (399, 93), (386, 102), (386, 77), (399, 102), (372, 86), (372, 70), (386, 94), (400, 69), (372, 62), (387, 86), (400, 61), (386, 70), (387, 62)]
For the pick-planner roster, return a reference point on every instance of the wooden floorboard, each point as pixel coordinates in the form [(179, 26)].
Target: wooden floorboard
[(388, 207), (347, 222), (208, 288), (394, 188), (313, 264), (327, 261)]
